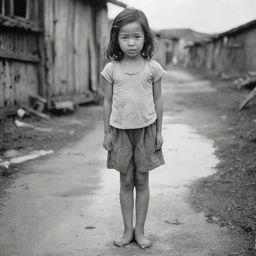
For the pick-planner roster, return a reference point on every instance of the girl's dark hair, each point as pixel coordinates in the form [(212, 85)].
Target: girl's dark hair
[(127, 16)]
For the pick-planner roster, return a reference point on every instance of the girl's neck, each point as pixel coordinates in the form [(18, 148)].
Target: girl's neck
[(138, 59), (132, 65)]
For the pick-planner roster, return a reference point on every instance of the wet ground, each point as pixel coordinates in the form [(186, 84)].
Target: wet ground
[(67, 204)]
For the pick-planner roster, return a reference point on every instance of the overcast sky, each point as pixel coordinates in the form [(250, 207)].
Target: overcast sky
[(210, 16)]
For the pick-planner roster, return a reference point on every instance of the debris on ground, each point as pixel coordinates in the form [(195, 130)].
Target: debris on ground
[(174, 221), (248, 82), (64, 105), (36, 106), (23, 158), (21, 113), (37, 103), (21, 124), (75, 153), (225, 76), (24, 133), (249, 98), (36, 113), (90, 227)]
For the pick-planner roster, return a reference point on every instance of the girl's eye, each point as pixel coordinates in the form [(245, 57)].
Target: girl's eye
[(137, 37)]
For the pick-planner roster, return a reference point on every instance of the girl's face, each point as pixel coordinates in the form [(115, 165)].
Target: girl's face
[(131, 39)]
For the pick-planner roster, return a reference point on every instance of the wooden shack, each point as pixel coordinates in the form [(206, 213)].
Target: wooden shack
[(232, 52), (165, 49), (176, 44), (19, 51), (51, 48), (235, 49)]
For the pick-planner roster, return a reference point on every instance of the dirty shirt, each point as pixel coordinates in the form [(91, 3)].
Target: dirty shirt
[(132, 102)]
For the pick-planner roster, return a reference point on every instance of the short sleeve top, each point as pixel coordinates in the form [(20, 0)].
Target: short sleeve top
[(133, 103)]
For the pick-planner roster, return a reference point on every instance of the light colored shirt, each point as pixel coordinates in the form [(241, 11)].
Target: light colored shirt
[(132, 102)]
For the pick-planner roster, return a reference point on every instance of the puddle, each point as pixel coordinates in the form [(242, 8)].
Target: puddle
[(188, 156)]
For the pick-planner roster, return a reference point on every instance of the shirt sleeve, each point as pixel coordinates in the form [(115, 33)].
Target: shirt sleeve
[(157, 71), (107, 72)]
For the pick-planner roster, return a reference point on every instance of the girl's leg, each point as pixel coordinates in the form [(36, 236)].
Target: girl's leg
[(126, 202), (142, 200)]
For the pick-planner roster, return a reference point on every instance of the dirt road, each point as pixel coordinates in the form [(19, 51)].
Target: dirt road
[(68, 204)]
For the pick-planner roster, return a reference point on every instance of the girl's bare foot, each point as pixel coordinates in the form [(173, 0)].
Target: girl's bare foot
[(124, 240), (141, 240)]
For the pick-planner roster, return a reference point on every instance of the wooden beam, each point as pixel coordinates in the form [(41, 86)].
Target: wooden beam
[(20, 23), (118, 3), (34, 112), (76, 99), (250, 97), (18, 56)]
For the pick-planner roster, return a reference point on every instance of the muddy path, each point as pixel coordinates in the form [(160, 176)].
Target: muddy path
[(67, 204)]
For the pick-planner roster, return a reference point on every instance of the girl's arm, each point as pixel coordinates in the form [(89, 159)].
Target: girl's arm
[(157, 94), (107, 105)]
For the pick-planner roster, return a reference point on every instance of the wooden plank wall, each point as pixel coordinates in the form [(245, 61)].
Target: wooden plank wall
[(102, 36), (247, 51), (73, 35), (18, 66), (16, 83)]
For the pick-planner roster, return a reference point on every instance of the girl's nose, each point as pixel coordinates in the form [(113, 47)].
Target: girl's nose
[(131, 42)]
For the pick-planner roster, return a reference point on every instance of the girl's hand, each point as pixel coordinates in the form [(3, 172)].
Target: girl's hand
[(159, 141), (107, 143)]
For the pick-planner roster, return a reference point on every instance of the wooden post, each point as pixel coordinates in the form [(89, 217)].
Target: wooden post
[(93, 55), (28, 8), (41, 46), (11, 10)]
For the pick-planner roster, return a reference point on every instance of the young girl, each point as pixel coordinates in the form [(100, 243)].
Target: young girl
[(133, 117)]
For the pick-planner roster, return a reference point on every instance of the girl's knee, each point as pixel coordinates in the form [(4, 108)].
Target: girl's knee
[(141, 181), (127, 183)]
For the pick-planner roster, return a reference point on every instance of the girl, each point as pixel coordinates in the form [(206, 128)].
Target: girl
[(133, 117)]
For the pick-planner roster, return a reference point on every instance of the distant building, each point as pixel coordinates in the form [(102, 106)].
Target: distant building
[(232, 52), (172, 43)]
